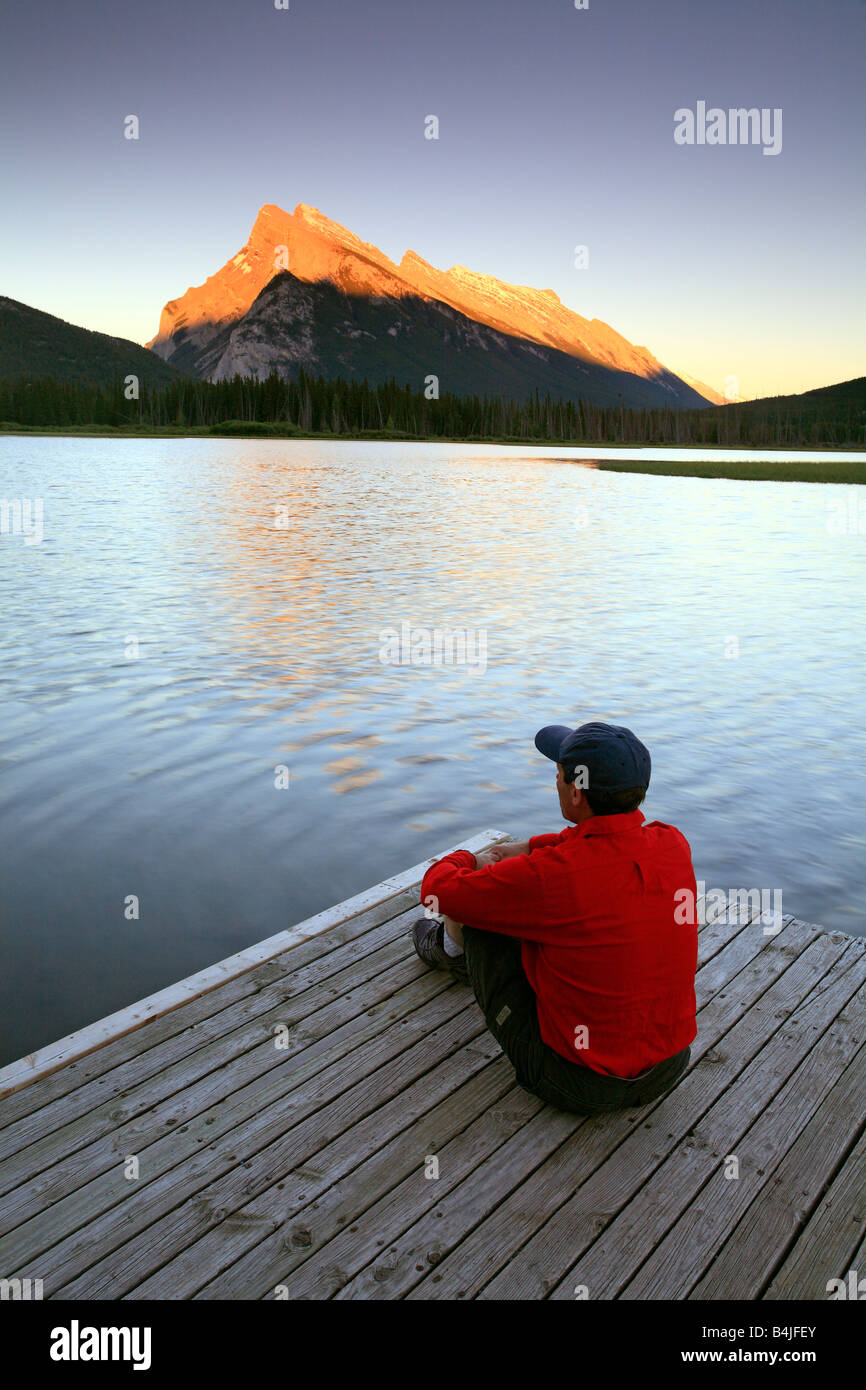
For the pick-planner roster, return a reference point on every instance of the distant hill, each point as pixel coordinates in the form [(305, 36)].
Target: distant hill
[(832, 414), (36, 344), (842, 396), (306, 293)]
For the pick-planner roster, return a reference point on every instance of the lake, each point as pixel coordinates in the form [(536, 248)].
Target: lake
[(213, 703)]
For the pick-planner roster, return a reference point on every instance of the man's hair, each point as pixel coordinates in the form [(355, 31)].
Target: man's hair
[(611, 803)]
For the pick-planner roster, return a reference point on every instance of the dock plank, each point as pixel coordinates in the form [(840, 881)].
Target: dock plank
[(324, 1272), (115, 1068), (304, 1171), (677, 1236), (794, 1185), (829, 1239), (405, 1083), (553, 1252), (305, 1226), (104, 1212), (47, 1059), (487, 1250), (287, 1003), (223, 1099)]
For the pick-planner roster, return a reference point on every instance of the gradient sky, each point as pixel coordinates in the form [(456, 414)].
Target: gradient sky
[(556, 128)]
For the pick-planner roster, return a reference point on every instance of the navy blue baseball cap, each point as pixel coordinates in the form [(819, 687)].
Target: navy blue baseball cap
[(614, 758)]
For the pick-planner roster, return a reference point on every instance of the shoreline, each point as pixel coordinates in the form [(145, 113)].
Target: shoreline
[(790, 470)]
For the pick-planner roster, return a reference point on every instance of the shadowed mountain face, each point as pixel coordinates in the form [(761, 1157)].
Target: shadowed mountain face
[(340, 307), (327, 332)]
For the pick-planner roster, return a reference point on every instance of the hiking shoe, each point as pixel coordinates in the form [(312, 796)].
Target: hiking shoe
[(427, 938)]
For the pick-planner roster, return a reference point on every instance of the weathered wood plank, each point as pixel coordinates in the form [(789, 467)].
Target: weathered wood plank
[(306, 1226), (484, 1179), (830, 1238), (236, 1031), (259, 1207), (351, 1083), (747, 945), (80, 1086), (367, 1232), (184, 1159), (47, 1059), (784, 1190), (789, 1189), (379, 1098), (700, 1206), (725, 988), (858, 1263), (715, 933), (551, 1253), (223, 1097)]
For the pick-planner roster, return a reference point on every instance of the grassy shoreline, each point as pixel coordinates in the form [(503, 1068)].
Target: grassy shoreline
[(792, 470)]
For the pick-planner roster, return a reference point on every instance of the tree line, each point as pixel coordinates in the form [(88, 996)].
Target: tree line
[(316, 405)]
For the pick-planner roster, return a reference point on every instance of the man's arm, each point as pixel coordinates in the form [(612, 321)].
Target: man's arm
[(497, 853), (511, 896), (513, 847)]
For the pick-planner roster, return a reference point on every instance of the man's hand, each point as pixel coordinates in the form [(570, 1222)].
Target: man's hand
[(508, 850), (499, 852)]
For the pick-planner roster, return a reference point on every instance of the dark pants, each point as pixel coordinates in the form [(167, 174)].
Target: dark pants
[(507, 1001)]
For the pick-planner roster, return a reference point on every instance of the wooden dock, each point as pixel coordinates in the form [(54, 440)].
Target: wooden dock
[(322, 1116)]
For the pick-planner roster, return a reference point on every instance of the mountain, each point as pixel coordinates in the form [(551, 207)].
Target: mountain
[(33, 343), (709, 393), (306, 292)]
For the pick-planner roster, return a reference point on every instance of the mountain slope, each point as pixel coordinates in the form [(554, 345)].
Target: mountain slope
[(33, 343), (315, 251), (842, 396), (330, 333), (833, 414), (709, 393)]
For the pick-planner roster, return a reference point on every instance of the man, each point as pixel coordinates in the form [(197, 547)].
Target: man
[(570, 941)]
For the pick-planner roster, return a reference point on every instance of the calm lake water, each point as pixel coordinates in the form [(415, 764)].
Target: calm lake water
[(721, 620)]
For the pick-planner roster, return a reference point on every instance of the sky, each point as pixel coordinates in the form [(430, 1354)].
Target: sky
[(556, 130)]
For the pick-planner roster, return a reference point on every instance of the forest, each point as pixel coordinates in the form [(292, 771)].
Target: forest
[(311, 405)]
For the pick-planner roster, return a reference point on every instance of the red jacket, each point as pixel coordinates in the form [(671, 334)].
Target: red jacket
[(613, 972)]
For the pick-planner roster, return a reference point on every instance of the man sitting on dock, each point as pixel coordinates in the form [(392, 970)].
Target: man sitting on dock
[(570, 941)]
